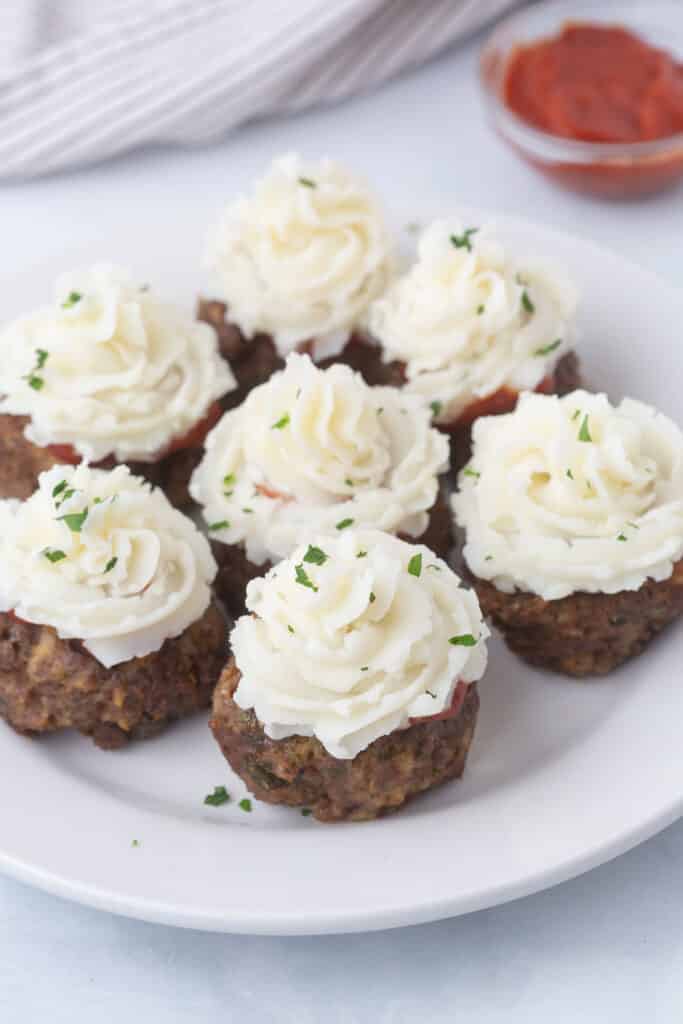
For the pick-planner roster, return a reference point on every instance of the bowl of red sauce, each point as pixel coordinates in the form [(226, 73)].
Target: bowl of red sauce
[(591, 94)]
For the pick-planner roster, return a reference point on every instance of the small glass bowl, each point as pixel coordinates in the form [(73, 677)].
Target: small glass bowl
[(612, 170)]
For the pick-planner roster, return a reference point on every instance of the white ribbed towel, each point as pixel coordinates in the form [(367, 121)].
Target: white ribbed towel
[(82, 80)]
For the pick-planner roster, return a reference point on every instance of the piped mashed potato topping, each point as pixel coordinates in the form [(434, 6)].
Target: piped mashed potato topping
[(573, 494), (101, 557), (353, 637), (302, 257), (317, 450), (109, 369), (467, 319)]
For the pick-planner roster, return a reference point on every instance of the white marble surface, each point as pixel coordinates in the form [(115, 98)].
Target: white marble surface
[(605, 947)]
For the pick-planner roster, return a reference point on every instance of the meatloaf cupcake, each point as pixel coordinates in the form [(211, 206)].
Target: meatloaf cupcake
[(106, 619), (469, 327), (573, 516), (317, 451), (108, 374), (295, 267), (352, 685)]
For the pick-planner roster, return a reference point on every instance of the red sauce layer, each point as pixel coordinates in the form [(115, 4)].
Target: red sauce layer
[(501, 401), (194, 438), (597, 83)]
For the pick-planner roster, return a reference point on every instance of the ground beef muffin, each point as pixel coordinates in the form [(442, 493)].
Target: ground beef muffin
[(469, 327), (353, 681), (107, 624), (318, 451), (294, 267), (572, 511), (108, 374)]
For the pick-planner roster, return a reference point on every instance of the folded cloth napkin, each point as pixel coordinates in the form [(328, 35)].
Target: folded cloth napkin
[(82, 80)]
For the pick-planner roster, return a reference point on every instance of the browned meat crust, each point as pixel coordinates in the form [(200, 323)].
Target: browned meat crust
[(255, 360), (299, 772), (567, 378), (48, 684), (21, 463), (583, 634), (235, 570)]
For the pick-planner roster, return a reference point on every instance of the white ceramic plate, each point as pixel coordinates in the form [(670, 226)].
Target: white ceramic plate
[(562, 775)]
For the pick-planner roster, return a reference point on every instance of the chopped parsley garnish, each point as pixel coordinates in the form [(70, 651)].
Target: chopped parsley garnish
[(464, 640), (464, 241), (74, 520), (584, 432), (306, 812), (54, 555), (547, 349), (480, 309), (303, 578), (527, 304), (315, 556), (71, 300), (634, 526), (372, 597), (135, 842), (245, 805), (219, 797), (364, 668), (290, 628), (282, 422), (489, 558), (110, 564), (622, 537), (362, 554), (380, 410), (436, 407), (343, 523), (61, 486), (307, 183), (229, 479), (34, 381), (577, 413), (69, 493), (570, 474), (223, 524), (467, 471), (415, 564), (247, 510), (433, 695), (437, 568)]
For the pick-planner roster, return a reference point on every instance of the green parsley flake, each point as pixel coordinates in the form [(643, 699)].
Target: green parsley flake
[(433, 695), (74, 520), (467, 471), (223, 524), (577, 413), (372, 597), (634, 526), (315, 556), (281, 423), (489, 558), (527, 304), (622, 537), (306, 812), (245, 805), (110, 564), (362, 554), (464, 241), (364, 668), (436, 407), (415, 564), (464, 640), (303, 578), (307, 183), (584, 432), (229, 479), (290, 628), (343, 523), (71, 300), (61, 486), (54, 555), (135, 843), (570, 474), (348, 482), (34, 381), (437, 568), (547, 349), (219, 797), (480, 310), (69, 493), (247, 510)]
